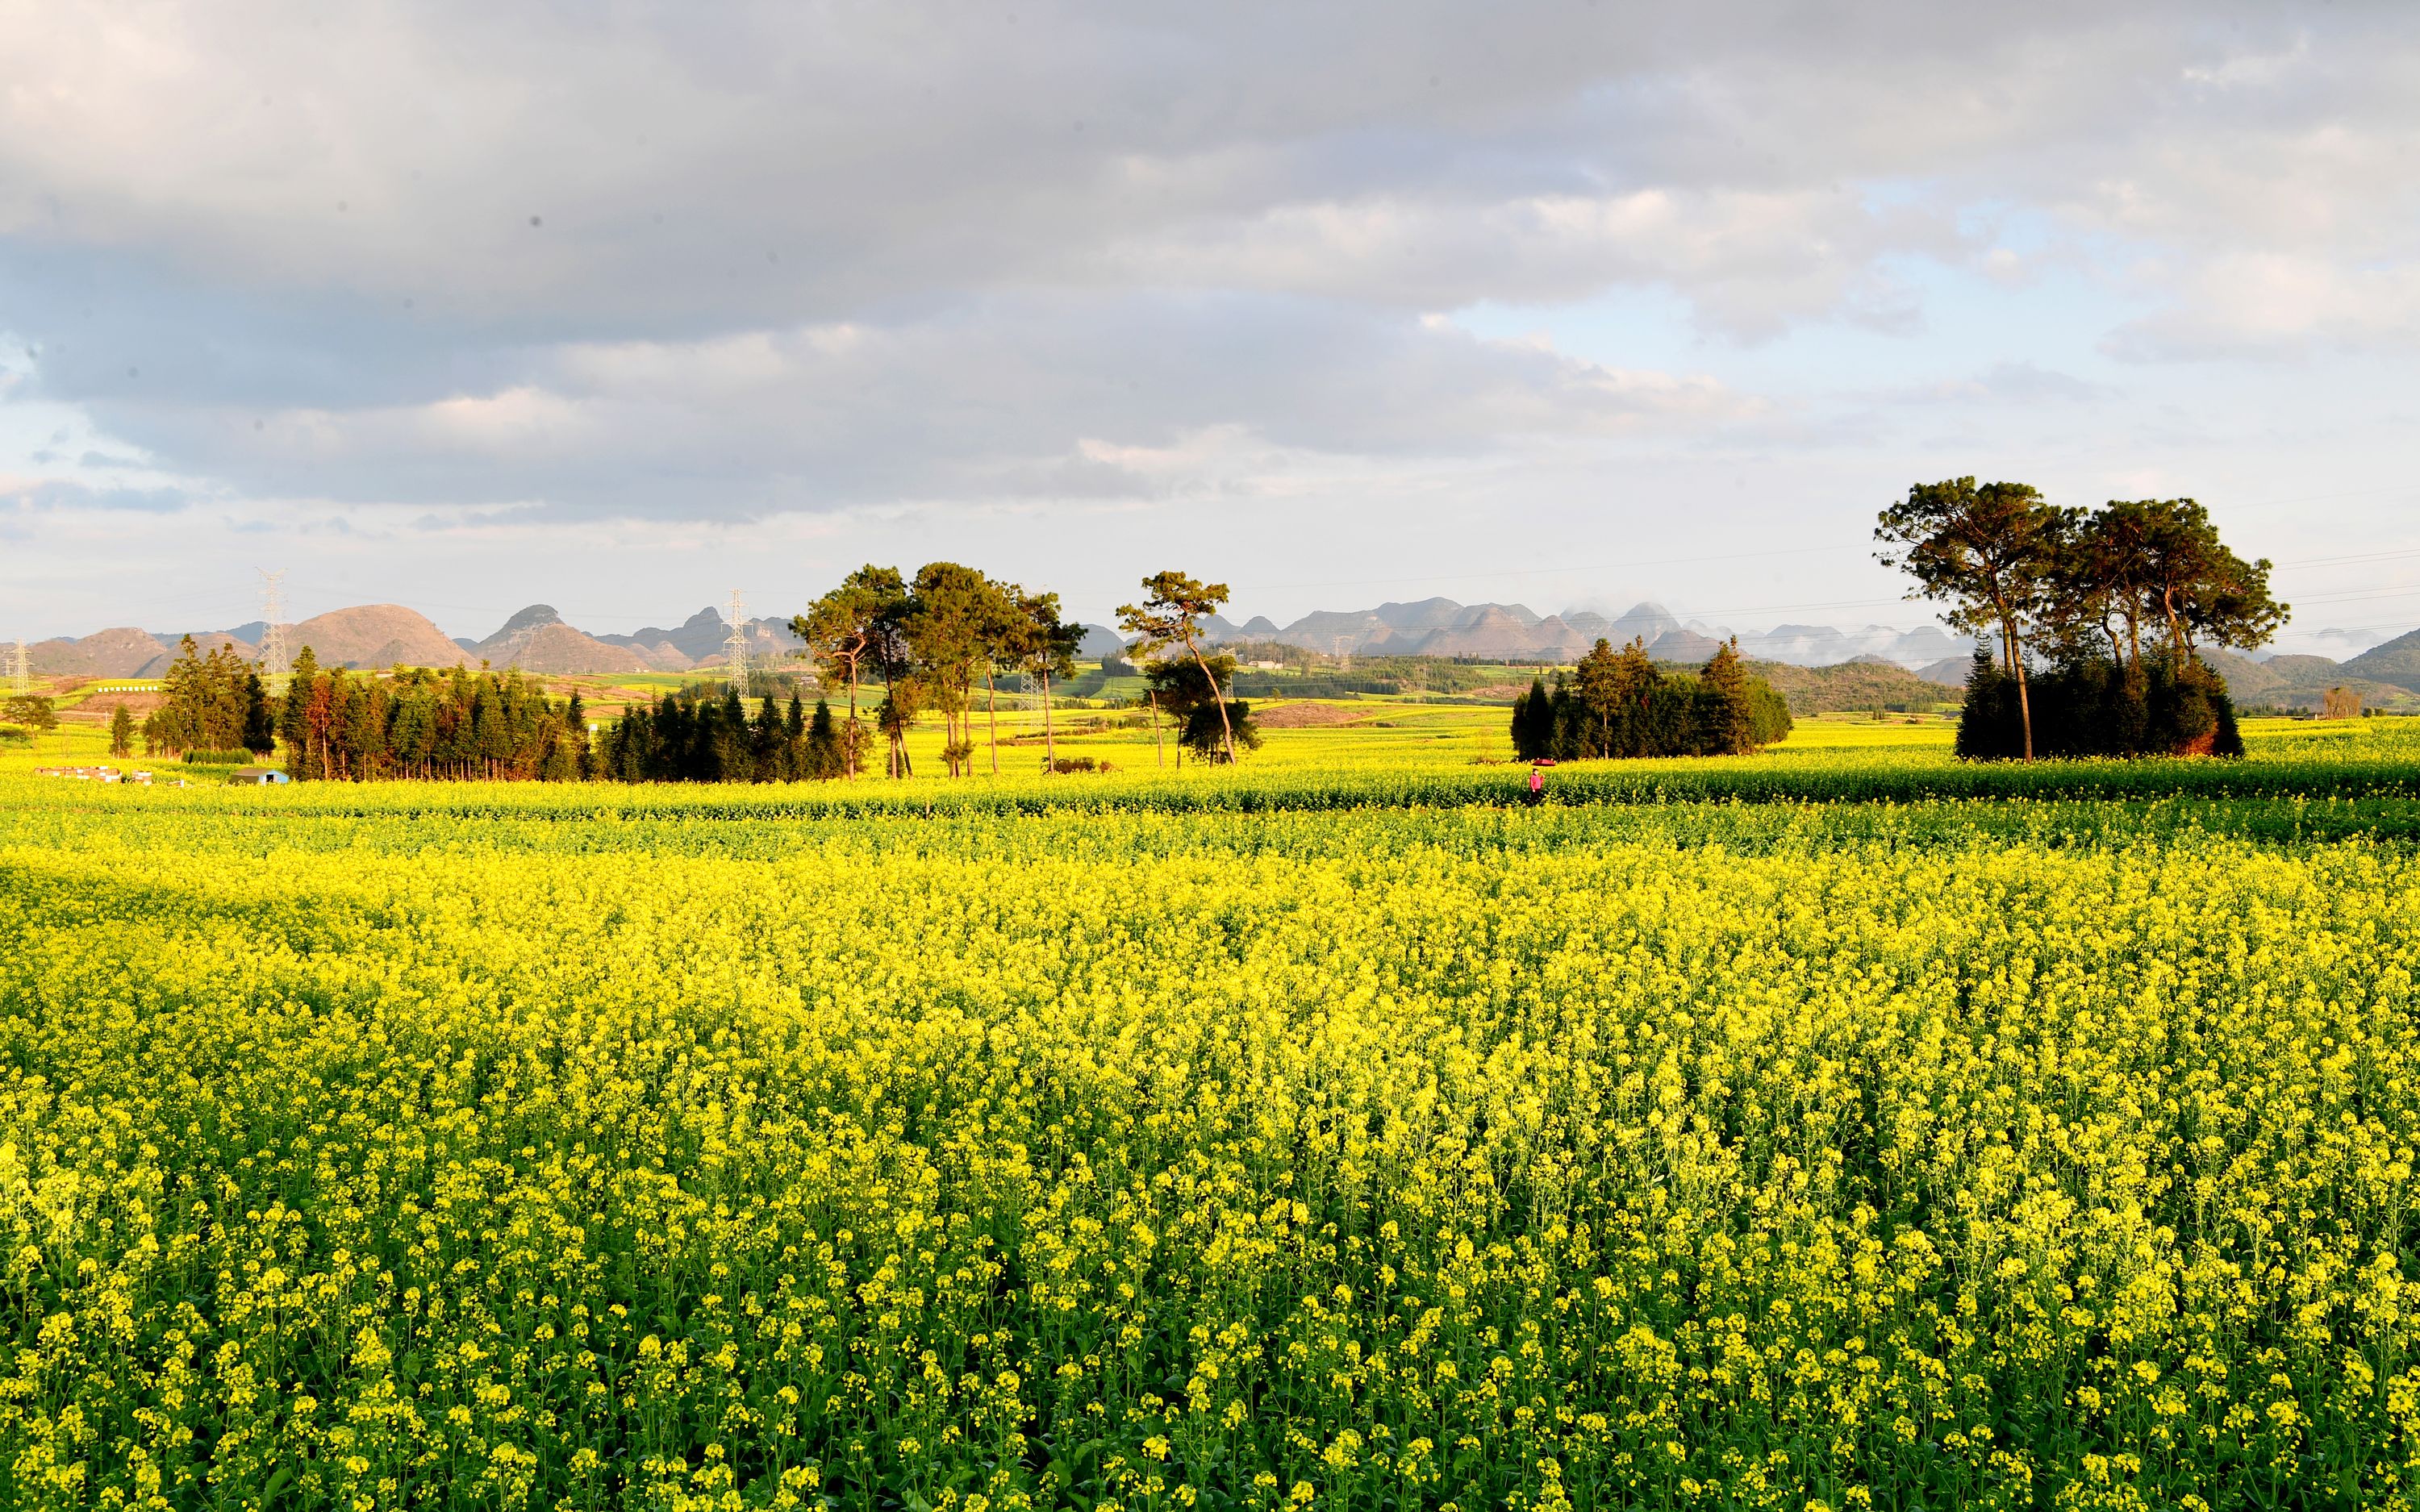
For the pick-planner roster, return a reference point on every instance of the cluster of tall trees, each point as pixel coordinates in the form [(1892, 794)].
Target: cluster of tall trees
[(214, 703), (450, 725), (1621, 703), (2099, 615), (927, 641), (698, 735)]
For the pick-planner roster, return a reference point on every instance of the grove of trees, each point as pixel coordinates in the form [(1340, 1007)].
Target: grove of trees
[(2099, 617), (451, 725), (1621, 703), (699, 736), (928, 639), (214, 702)]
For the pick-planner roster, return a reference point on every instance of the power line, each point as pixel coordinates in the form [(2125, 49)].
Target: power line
[(20, 671)]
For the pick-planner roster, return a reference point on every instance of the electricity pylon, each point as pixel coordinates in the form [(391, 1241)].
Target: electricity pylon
[(735, 646), (273, 656)]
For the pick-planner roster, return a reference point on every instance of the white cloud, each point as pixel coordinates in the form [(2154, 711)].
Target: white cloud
[(2275, 304)]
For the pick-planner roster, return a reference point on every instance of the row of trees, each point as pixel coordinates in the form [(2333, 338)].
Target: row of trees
[(928, 639), (696, 736), (450, 725), (1621, 704), (2114, 600), (926, 642)]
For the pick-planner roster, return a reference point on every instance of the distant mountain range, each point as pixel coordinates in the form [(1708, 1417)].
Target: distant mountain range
[(537, 639), (385, 635), (1515, 632)]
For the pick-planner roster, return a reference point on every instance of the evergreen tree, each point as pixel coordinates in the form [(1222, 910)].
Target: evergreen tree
[(176, 726), (259, 716), (1726, 714), (824, 758), (291, 710), (1171, 615), (765, 742), (1533, 722), (575, 720), (1992, 552), (121, 732)]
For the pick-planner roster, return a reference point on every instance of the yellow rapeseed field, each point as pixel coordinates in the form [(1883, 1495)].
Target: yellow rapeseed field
[(462, 1147)]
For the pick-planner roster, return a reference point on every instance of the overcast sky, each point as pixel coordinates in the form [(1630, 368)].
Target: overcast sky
[(619, 307)]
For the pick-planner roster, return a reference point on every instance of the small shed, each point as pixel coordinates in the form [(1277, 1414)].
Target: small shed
[(259, 777)]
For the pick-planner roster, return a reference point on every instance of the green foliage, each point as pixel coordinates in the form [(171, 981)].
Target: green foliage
[(1169, 615), (238, 757), (698, 735), (2071, 582), (214, 702), (1624, 705), (1188, 691), (2096, 708), (36, 712), (121, 732), (449, 726)]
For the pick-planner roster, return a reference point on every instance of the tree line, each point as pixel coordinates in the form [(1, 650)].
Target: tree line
[(927, 643), (695, 734), (1621, 703), (2099, 615), (339, 726), (453, 725)]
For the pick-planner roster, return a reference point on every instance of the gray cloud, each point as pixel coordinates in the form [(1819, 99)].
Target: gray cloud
[(1005, 398)]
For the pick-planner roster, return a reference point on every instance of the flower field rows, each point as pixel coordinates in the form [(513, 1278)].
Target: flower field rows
[(365, 1148)]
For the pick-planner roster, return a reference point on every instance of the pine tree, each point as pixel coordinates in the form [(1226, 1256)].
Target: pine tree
[(121, 732), (259, 716), (824, 757), (1533, 722), (1727, 710), (292, 720)]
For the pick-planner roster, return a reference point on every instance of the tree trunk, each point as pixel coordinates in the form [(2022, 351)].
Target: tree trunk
[(2017, 664), (1158, 746), (850, 740), (2026, 709), (1225, 730), (991, 718), (1049, 747)]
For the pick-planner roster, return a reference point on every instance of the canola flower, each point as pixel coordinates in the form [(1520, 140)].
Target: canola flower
[(477, 1148)]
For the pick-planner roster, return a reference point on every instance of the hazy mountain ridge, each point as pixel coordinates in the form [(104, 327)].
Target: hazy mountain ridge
[(1515, 632), (537, 639)]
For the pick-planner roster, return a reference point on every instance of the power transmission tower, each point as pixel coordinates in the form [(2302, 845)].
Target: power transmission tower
[(736, 647), (20, 671), (274, 660)]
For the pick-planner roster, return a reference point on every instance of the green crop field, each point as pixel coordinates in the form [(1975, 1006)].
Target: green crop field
[(1836, 1126)]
